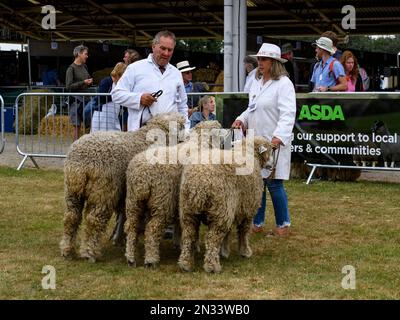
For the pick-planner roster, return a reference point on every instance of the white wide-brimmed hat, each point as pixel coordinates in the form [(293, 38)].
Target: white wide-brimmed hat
[(269, 50), (184, 66), (324, 43)]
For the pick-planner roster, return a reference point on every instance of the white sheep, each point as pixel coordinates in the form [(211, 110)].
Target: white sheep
[(95, 175)]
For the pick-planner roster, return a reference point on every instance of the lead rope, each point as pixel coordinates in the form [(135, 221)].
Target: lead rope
[(275, 156)]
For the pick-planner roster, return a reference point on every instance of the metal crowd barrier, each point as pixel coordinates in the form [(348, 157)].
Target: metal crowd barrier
[(44, 127), (2, 127)]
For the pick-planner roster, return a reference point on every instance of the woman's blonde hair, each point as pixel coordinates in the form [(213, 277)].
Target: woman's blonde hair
[(203, 100), (118, 70), (278, 70)]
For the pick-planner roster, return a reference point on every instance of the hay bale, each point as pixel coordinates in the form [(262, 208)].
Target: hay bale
[(205, 75), (59, 126), (31, 110)]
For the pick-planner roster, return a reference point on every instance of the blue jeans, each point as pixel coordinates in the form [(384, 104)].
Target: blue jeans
[(90, 107), (279, 201)]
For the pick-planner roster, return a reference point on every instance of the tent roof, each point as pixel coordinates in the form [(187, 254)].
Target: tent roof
[(138, 21)]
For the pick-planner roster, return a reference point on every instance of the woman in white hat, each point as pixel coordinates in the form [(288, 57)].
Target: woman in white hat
[(271, 113)]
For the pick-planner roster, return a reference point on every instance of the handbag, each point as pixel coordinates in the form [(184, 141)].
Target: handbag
[(106, 119)]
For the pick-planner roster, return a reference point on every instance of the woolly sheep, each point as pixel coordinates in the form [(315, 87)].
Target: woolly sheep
[(153, 190), (218, 196), (94, 178)]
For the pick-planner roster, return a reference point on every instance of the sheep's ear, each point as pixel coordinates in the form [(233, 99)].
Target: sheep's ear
[(262, 149)]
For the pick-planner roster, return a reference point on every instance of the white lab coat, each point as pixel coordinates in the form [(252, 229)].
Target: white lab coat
[(249, 80), (272, 113), (144, 76)]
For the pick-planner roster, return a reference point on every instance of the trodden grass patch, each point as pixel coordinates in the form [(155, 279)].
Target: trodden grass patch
[(335, 224)]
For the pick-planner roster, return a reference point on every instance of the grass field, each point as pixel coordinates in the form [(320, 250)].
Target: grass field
[(334, 224)]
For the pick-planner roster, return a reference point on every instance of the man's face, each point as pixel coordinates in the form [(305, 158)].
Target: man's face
[(83, 56), (162, 51), (187, 76), (318, 52)]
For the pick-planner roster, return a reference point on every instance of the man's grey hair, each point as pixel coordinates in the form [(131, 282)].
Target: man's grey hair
[(165, 34), (79, 49)]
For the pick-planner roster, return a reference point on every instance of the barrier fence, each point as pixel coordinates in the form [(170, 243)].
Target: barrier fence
[(342, 131), (46, 124), (2, 127)]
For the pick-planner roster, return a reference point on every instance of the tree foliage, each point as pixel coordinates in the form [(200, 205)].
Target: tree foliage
[(196, 45)]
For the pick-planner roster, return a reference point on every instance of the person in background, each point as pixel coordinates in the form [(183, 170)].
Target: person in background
[(144, 77), (130, 56), (337, 54), (78, 79), (187, 77), (50, 76), (272, 113), (353, 77), (207, 107), (290, 66), (107, 119), (250, 64), (328, 74)]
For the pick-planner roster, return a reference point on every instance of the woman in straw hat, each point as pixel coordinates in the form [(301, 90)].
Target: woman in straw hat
[(271, 114)]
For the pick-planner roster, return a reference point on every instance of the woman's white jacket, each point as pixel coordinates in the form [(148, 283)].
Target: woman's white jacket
[(272, 113)]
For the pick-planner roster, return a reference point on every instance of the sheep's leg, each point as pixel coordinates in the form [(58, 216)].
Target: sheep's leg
[(152, 237), (72, 220), (118, 235), (133, 218), (225, 248), (96, 224), (177, 234), (190, 229), (214, 238), (243, 238)]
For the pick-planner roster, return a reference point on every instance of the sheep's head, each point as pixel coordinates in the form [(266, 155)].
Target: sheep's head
[(263, 151), (172, 123), (209, 133), (377, 126)]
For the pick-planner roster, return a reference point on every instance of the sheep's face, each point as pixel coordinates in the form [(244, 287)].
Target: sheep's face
[(378, 127), (263, 149)]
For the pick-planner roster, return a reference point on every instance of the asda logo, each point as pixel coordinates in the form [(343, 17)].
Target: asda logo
[(321, 112)]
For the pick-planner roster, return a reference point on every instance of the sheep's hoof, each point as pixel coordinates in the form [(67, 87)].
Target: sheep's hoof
[(150, 265), (224, 253), (88, 257), (67, 256), (246, 253), (132, 263), (184, 267), (212, 268)]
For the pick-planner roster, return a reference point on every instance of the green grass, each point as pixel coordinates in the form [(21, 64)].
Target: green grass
[(334, 224)]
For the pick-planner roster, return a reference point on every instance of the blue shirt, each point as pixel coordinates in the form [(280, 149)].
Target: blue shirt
[(189, 87), (50, 77), (322, 77), (198, 117)]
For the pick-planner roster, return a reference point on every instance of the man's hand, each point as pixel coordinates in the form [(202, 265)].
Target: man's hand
[(323, 89), (88, 82), (147, 99), (237, 124)]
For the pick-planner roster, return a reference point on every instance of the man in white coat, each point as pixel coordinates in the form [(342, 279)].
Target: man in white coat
[(271, 113), (146, 77)]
